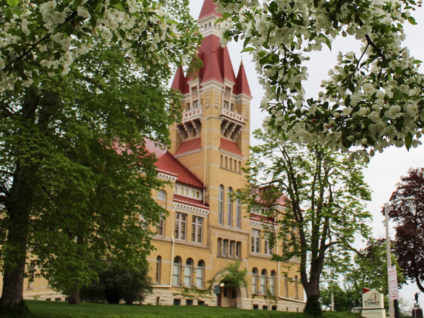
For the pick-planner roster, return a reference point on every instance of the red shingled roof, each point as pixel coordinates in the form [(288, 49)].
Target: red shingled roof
[(230, 146), (180, 82), (181, 199), (242, 84), (208, 9), (168, 163), (189, 145), (226, 66)]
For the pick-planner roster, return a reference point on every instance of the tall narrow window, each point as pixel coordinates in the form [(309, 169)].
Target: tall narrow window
[(230, 208), (238, 213), (254, 280), (197, 229), (219, 247), (158, 269), (162, 196), (176, 271), (187, 272), (238, 250), (231, 164), (225, 248), (180, 226), (272, 283), (226, 162), (221, 205), (222, 161), (262, 282), (160, 227), (200, 274), (256, 241), (296, 287), (232, 248), (268, 248), (239, 166), (286, 285)]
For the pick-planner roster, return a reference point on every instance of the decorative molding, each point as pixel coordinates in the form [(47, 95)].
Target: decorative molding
[(181, 207), (167, 177), (188, 153), (243, 98), (232, 154)]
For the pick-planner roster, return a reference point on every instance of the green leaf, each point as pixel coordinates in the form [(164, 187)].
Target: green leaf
[(248, 49), (327, 40), (412, 21), (118, 6), (13, 3), (408, 141)]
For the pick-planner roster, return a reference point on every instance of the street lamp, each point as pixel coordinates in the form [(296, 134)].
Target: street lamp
[(388, 247), (222, 284)]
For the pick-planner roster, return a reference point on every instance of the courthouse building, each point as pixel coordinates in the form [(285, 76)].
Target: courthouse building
[(205, 231)]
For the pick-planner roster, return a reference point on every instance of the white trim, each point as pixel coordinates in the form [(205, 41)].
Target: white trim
[(188, 153), (181, 207), (167, 177), (243, 98)]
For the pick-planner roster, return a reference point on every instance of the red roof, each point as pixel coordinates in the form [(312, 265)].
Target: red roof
[(180, 82), (168, 163), (226, 66), (262, 218), (230, 146), (211, 69), (242, 84), (189, 145), (208, 9), (181, 199)]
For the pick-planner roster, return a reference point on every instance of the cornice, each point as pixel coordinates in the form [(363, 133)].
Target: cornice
[(181, 207)]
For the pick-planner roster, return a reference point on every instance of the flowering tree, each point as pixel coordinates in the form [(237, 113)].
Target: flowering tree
[(75, 78), (409, 216), (371, 101)]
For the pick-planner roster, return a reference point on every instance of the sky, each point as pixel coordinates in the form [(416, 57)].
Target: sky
[(384, 170)]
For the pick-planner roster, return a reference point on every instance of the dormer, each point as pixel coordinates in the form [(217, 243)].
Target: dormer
[(207, 19)]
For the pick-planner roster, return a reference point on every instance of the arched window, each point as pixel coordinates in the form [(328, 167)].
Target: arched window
[(238, 212), (296, 287), (158, 269), (176, 273), (221, 205), (272, 283), (162, 195), (254, 281), (200, 274), (187, 272), (262, 282), (286, 285), (230, 208)]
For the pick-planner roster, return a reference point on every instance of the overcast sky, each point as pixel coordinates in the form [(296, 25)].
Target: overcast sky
[(385, 169)]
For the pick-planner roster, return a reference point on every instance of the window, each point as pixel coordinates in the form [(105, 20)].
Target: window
[(200, 274), (162, 195), (268, 248), (238, 250), (226, 163), (262, 282), (296, 287), (222, 161), (232, 247), (232, 107), (272, 283), (196, 103), (188, 106), (189, 302), (219, 247), (225, 248), (231, 164), (256, 241), (177, 302), (158, 269), (254, 280), (160, 227), (225, 105), (230, 208), (238, 213), (239, 166), (264, 307), (187, 272), (286, 285), (176, 273), (221, 204), (197, 229), (180, 227)]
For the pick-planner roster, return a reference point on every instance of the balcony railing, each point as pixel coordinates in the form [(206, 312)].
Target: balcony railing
[(232, 114), (192, 114)]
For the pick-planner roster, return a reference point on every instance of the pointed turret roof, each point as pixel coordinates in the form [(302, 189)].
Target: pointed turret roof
[(180, 82), (211, 69), (242, 85), (227, 69), (208, 9)]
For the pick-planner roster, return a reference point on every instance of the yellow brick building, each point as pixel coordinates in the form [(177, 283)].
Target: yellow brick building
[(204, 230)]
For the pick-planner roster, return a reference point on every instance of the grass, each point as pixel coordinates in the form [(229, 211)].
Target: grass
[(43, 309)]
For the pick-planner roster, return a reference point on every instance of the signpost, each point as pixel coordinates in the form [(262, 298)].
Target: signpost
[(393, 284), (373, 304)]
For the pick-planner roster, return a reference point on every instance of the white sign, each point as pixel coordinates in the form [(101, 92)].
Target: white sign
[(393, 284), (373, 304)]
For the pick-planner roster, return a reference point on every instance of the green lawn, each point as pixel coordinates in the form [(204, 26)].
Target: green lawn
[(43, 309)]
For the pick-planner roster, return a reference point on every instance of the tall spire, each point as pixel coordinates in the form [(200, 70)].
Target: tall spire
[(211, 69), (226, 66), (242, 84), (209, 9), (180, 82)]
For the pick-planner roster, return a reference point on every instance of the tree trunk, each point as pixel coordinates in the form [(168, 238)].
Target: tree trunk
[(18, 207), (313, 305), (74, 298)]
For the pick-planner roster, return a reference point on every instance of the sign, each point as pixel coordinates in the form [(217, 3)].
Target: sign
[(393, 284), (373, 304), (216, 289)]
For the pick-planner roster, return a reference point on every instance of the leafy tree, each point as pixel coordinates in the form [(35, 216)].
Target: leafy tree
[(370, 101), (75, 176), (233, 276), (409, 216), (120, 282), (323, 204), (369, 269), (343, 300)]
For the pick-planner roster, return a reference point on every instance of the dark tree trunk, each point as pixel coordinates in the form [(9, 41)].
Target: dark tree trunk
[(18, 207), (74, 298), (313, 305)]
